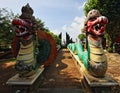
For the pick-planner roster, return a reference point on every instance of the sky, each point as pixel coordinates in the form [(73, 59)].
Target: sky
[(58, 15)]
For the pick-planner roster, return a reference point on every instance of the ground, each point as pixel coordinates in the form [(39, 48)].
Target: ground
[(114, 66), (7, 70), (62, 73)]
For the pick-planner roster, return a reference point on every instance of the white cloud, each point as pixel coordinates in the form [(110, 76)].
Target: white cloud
[(43, 9), (56, 31), (75, 28)]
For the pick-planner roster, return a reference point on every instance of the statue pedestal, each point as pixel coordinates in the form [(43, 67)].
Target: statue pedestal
[(103, 84), (25, 85)]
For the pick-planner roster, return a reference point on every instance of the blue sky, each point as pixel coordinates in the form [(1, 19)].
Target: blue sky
[(58, 15)]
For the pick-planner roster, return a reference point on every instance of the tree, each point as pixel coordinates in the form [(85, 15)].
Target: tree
[(57, 39), (41, 25), (6, 28), (110, 9), (81, 37)]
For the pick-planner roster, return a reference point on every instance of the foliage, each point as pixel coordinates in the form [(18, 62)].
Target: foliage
[(90, 4), (57, 39), (110, 9), (81, 37), (6, 29), (41, 25), (110, 50)]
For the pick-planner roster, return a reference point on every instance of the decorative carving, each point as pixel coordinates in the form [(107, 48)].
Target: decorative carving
[(94, 58), (31, 47)]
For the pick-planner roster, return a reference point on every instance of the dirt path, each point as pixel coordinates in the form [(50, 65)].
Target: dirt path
[(6, 71), (114, 66), (62, 73)]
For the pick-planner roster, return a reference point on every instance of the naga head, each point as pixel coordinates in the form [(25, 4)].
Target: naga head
[(25, 23), (23, 28), (95, 23)]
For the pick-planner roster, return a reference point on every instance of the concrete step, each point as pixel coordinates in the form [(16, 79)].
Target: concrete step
[(59, 90)]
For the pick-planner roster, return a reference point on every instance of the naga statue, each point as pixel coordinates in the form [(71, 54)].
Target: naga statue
[(93, 56), (31, 46)]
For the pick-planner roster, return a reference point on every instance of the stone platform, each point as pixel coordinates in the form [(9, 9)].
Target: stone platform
[(95, 83), (25, 84)]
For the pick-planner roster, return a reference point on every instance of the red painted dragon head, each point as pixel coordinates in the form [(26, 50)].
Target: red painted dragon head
[(95, 23), (23, 28), (25, 23)]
